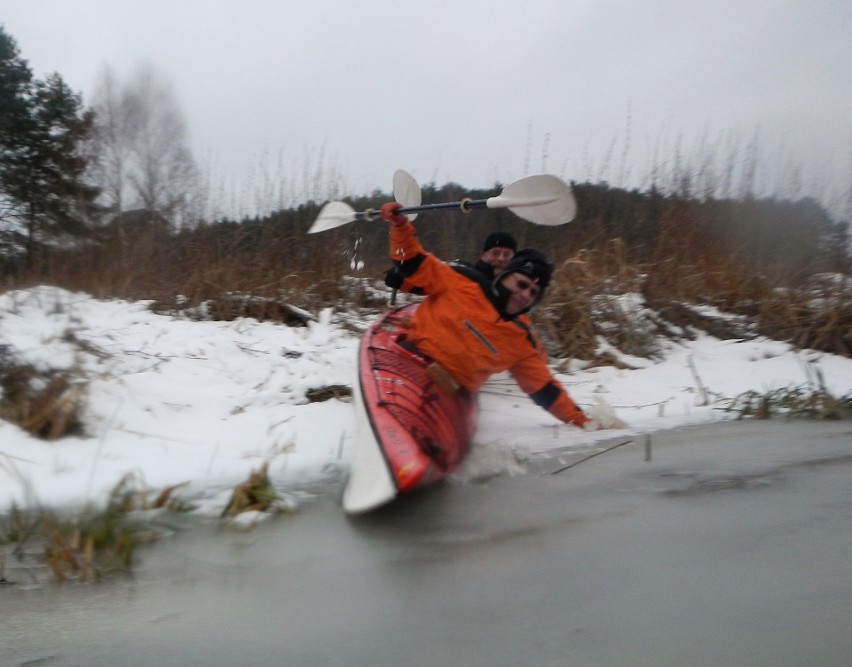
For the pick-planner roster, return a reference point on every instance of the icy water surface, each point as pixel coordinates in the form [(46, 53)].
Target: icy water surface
[(732, 546)]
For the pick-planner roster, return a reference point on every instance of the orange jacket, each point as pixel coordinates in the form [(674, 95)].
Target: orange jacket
[(458, 327)]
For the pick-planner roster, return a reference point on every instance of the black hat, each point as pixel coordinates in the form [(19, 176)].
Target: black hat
[(500, 240), (533, 265)]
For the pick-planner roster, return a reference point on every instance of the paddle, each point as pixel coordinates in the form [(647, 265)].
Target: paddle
[(543, 200), (406, 191)]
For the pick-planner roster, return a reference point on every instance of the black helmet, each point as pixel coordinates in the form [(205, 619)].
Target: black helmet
[(532, 264), (500, 240)]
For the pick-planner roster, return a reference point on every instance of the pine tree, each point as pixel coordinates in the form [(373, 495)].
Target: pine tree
[(15, 84), (41, 171)]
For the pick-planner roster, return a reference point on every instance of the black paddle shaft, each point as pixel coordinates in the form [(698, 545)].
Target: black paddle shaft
[(465, 205)]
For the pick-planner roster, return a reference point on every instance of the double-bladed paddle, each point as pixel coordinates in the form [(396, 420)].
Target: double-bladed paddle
[(543, 200)]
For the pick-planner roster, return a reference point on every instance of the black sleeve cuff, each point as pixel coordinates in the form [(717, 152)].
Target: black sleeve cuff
[(546, 396)]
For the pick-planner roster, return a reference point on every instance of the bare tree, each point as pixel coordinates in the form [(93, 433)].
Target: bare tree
[(140, 148), (111, 142)]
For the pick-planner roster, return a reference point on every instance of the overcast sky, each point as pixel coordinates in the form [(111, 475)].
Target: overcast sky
[(477, 91)]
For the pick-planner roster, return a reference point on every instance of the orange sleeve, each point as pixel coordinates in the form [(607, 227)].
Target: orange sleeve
[(427, 274), (534, 377), (403, 243)]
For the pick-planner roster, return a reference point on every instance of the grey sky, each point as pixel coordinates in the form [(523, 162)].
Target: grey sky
[(477, 91)]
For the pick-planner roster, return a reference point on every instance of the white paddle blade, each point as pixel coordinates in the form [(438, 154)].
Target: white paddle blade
[(544, 200), (406, 191), (334, 214)]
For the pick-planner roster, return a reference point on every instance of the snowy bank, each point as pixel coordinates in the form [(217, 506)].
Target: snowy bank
[(176, 401)]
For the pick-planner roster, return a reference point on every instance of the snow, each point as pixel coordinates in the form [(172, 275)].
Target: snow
[(203, 404)]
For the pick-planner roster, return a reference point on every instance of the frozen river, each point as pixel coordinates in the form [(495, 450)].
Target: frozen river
[(731, 546)]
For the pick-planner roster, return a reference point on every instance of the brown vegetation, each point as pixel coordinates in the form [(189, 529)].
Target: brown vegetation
[(46, 404), (88, 545), (256, 494), (754, 260)]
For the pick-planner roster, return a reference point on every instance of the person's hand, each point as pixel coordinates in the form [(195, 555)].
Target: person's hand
[(598, 425), (601, 416), (389, 213)]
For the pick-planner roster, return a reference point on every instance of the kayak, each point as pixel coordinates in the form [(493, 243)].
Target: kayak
[(412, 426)]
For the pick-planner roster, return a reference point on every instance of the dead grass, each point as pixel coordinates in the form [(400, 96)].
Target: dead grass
[(792, 403), (93, 543), (585, 302), (600, 293), (818, 321), (45, 403), (255, 494), (677, 260)]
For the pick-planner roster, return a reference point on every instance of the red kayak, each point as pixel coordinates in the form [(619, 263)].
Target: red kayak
[(412, 428)]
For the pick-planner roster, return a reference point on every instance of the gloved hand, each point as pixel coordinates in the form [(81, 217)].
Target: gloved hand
[(394, 278), (601, 416), (389, 212)]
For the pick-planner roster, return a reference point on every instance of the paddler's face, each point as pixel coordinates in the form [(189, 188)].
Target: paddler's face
[(523, 292), (497, 257)]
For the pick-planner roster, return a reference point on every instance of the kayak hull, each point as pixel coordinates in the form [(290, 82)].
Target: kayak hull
[(409, 431)]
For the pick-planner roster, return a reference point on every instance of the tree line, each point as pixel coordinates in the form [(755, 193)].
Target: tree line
[(67, 169), (108, 198)]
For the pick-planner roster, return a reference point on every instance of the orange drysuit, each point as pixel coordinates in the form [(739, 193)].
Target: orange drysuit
[(463, 331)]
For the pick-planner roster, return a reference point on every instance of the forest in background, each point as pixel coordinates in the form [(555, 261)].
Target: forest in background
[(108, 200), (782, 266)]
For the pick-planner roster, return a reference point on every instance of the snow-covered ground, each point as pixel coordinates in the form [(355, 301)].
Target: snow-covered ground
[(175, 401)]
